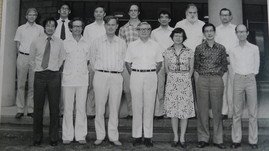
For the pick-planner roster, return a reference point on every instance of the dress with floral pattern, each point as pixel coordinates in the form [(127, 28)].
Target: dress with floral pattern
[(178, 100)]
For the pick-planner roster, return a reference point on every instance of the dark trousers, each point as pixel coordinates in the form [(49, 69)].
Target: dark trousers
[(46, 82), (209, 92)]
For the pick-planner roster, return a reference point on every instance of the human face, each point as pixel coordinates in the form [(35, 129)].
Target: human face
[(31, 16), (209, 33), (64, 11), (178, 38), (76, 28), (164, 19), (225, 17), (50, 28), (111, 27), (192, 14), (99, 13), (134, 12), (242, 33), (144, 31)]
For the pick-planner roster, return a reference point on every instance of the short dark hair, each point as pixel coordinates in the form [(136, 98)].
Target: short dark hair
[(31, 9), (225, 9), (208, 25), (70, 24), (49, 19), (178, 31), (100, 6), (191, 5), (165, 12), (132, 5), (62, 4), (110, 17)]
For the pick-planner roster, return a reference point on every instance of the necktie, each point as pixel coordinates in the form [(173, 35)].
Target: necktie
[(63, 31), (46, 56)]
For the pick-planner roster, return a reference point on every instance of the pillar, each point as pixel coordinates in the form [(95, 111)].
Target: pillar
[(10, 19), (214, 6)]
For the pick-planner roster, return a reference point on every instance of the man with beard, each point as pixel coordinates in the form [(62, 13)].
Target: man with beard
[(162, 36)]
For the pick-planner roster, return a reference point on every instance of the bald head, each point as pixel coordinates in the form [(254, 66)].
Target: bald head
[(242, 32)]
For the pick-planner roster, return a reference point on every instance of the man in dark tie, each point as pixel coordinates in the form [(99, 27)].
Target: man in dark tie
[(62, 31), (46, 57)]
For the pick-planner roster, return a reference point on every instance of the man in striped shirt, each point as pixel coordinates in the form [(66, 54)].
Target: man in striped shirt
[(107, 58)]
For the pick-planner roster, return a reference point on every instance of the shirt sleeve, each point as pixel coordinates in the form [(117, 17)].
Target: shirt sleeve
[(257, 60), (159, 55), (224, 61), (128, 56), (122, 33), (62, 54), (18, 35), (196, 59), (92, 53), (32, 55)]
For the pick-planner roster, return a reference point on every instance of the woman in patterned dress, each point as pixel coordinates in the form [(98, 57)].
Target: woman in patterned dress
[(178, 100)]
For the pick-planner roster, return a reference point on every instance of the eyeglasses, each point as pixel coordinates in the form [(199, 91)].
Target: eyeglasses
[(144, 29)]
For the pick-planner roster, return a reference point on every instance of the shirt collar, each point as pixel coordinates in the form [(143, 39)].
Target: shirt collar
[(52, 37), (129, 24), (168, 28), (103, 23), (115, 39), (206, 43), (29, 25)]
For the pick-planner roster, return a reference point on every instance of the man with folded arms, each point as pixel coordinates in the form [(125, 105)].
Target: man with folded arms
[(245, 62), (25, 34), (107, 59), (143, 61)]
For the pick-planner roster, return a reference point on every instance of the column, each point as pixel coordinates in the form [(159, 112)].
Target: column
[(214, 6), (10, 19)]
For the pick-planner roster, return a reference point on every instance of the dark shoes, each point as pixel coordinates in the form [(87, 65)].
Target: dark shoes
[(30, 115), (148, 142), (137, 141), (182, 144), (254, 146), (53, 143), (202, 144), (129, 117), (91, 117), (220, 146), (224, 117), (174, 144), (19, 115), (158, 117), (235, 145), (37, 143)]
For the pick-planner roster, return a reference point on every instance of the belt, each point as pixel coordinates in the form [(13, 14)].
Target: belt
[(27, 54), (109, 71), (149, 70)]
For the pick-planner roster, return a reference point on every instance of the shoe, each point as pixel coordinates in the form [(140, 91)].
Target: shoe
[(91, 117), (235, 145), (174, 144), (19, 115), (116, 143), (220, 146), (66, 142), (254, 146), (137, 141), (98, 142), (61, 116), (202, 144), (53, 143), (158, 117), (30, 115), (82, 142), (224, 117), (37, 143), (148, 142), (182, 144), (129, 117)]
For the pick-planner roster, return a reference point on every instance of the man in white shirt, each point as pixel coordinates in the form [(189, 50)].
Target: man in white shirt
[(162, 36), (192, 26), (225, 35), (75, 84), (245, 62), (143, 61), (25, 34), (62, 31), (129, 33), (107, 59), (92, 32)]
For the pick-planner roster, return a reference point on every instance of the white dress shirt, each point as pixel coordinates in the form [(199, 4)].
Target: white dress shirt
[(144, 55), (162, 37), (25, 34), (57, 32), (226, 36), (193, 31), (245, 60), (93, 31), (75, 71), (106, 55)]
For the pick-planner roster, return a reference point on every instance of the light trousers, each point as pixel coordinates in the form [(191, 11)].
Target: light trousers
[(126, 89), (23, 69), (90, 98), (209, 91), (159, 104), (227, 106), (77, 94), (107, 86), (245, 85), (143, 87)]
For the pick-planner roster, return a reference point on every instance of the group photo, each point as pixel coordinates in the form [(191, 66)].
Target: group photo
[(134, 75)]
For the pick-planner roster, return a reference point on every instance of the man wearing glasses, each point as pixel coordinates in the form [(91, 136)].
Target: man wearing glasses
[(143, 62)]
